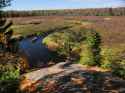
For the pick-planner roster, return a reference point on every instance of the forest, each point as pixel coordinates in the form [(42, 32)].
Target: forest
[(69, 12)]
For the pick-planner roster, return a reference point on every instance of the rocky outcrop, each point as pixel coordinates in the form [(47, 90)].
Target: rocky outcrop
[(70, 78)]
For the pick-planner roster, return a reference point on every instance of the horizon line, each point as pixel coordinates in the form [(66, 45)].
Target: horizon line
[(61, 8)]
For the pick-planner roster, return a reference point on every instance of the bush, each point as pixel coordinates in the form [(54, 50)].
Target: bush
[(113, 59), (62, 42), (108, 57), (91, 55), (9, 75), (86, 57), (119, 69), (9, 72), (71, 42)]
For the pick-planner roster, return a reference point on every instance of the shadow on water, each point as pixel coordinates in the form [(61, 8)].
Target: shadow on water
[(36, 53)]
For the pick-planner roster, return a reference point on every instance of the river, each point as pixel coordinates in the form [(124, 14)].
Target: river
[(35, 52)]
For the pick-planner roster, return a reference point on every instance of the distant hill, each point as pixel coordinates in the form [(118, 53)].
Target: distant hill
[(69, 12)]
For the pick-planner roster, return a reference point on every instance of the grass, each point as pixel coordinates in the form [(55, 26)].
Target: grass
[(31, 27), (112, 31)]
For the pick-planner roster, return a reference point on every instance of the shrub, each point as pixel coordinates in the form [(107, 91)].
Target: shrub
[(107, 58), (9, 72), (91, 54), (86, 56), (62, 42), (39, 33), (84, 42), (113, 59), (118, 68), (9, 75)]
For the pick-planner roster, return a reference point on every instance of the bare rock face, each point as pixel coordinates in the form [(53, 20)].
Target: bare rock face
[(70, 78)]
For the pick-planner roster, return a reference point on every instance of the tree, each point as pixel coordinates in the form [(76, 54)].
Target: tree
[(5, 31), (9, 72), (4, 3)]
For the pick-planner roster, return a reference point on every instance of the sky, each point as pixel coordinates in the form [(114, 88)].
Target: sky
[(63, 4)]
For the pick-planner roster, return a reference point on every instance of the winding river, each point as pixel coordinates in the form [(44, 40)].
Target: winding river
[(35, 52)]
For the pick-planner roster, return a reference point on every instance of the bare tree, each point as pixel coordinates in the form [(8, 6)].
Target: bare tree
[(5, 31)]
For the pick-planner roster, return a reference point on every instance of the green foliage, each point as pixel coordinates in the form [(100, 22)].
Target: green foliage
[(9, 75), (91, 54), (86, 57), (108, 57), (9, 72), (84, 42), (39, 33), (118, 68), (4, 3), (118, 65), (65, 40), (113, 59)]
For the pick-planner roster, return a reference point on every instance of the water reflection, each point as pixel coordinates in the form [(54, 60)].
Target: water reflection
[(36, 53)]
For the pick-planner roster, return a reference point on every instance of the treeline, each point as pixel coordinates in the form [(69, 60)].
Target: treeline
[(68, 12)]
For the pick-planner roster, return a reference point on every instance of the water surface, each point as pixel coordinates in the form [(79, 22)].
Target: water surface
[(36, 53)]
